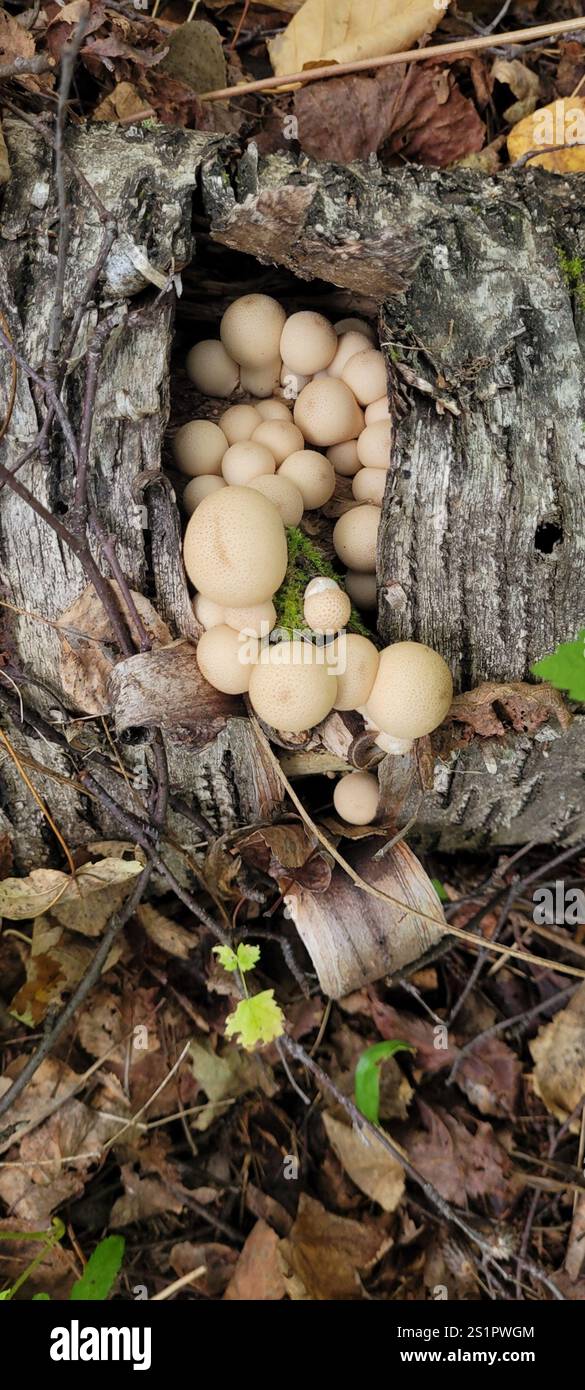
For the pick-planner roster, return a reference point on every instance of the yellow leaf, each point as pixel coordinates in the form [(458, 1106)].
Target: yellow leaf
[(339, 31), (105, 884), (561, 123)]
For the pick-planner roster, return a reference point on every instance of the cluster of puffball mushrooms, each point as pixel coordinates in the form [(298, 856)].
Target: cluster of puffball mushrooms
[(319, 410)]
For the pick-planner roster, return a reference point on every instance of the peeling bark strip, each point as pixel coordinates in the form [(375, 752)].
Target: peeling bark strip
[(484, 353), (482, 534)]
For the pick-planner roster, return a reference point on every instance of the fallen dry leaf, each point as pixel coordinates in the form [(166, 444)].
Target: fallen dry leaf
[(324, 1254), (225, 1077), (51, 1163), (369, 1165), (142, 1199), (489, 1074), (338, 31), (561, 123), (525, 708), (56, 963), (88, 646), (288, 854), (168, 935), (559, 1054), (125, 104), (196, 56), (524, 83), (320, 108), (84, 903), (461, 1160), (258, 1273)]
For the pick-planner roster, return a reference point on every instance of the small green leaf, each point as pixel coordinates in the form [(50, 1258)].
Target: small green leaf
[(258, 1019), (439, 890), (38, 1297), (248, 956), (7, 1294), (226, 957), (101, 1270), (565, 668), (367, 1076)]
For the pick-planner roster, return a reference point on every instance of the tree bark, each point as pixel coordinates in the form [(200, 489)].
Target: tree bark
[(484, 347)]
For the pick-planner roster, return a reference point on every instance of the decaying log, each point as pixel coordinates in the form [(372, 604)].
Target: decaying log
[(483, 342)]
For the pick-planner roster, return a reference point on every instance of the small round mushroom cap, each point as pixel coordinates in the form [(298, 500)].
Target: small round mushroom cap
[(261, 381), (199, 488), (250, 329), (360, 658), (284, 494), (273, 409), (347, 346), (327, 413), (281, 437), (258, 619), (245, 461), (224, 659), (313, 474), (291, 687), (365, 374), (326, 607), (235, 547), (198, 448), (374, 444), (362, 590), (369, 486), (208, 613), (344, 458), (355, 326), (292, 383), (356, 797), (378, 410), (412, 691), (211, 369), (308, 342), (355, 538), (238, 423)]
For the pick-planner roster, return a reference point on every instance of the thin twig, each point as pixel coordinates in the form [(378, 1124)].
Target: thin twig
[(412, 55)]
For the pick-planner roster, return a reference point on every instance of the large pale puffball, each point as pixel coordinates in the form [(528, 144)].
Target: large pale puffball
[(273, 409), (235, 547), (199, 488), (224, 659), (327, 413), (238, 423), (261, 381), (344, 458), (245, 461), (369, 485), (198, 448), (365, 374), (356, 668), (355, 326), (258, 618), (284, 494), (374, 444), (250, 330), (347, 346), (308, 343), (291, 687), (313, 474), (280, 436), (355, 538), (412, 691), (326, 607), (211, 369)]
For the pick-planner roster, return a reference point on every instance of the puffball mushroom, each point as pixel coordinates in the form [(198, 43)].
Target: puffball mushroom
[(223, 658), (208, 613), (365, 374), (238, 423), (378, 410), (199, 488), (412, 691), (362, 590), (374, 445), (272, 409), (284, 494), (326, 607), (235, 547), (291, 687), (356, 797), (360, 658), (211, 369), (259, 619), (344, 458), (312, 473), (369, 485), (261, 381), (326, 412), (347, 346), (198, 448), (245, 461), (250, 329), (355, 538), (308, 343), (355, 326), (281, 437)]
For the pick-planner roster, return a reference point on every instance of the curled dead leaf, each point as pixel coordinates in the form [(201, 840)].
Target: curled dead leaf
[(87, 646), (337, 31), (369, 1165), (559, 1054)]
